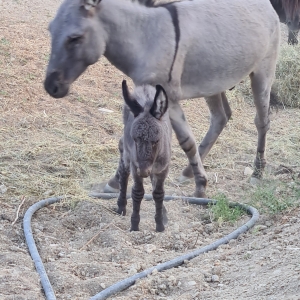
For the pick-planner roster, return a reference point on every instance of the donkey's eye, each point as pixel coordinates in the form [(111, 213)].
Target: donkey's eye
[(74, 40)]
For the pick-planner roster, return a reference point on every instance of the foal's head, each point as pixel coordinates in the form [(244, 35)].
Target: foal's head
[(147, 130), (77, 41)]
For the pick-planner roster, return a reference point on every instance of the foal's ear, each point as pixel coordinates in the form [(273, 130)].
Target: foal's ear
[(160, 103), (134, 106), (88, 4)]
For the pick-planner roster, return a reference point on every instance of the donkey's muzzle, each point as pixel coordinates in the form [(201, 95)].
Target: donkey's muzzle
[(54, 86)]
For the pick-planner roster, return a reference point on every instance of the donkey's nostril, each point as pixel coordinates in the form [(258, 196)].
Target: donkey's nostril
[(55, 90)]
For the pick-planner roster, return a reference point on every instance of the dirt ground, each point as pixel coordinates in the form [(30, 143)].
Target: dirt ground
[(63, 147)]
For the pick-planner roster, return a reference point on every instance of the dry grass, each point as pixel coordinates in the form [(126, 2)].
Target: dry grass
[(287, 83)]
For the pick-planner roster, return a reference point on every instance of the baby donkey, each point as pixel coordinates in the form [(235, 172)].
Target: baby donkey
[(146, 149)]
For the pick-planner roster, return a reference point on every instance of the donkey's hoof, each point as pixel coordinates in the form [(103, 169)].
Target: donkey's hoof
[(184, 179), (255, 181), (200, 194), (109, 189)]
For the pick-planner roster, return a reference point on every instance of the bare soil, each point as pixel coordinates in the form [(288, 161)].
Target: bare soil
[(65, 146)]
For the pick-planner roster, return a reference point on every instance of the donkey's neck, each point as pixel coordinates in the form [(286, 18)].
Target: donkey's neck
[(133, 32), (277, 5)]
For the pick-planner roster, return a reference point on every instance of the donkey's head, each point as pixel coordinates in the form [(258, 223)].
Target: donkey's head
[(77, 41), (292, 13), (147, 128)]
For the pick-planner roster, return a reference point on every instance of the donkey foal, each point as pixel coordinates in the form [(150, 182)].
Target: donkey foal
[(146, 149)]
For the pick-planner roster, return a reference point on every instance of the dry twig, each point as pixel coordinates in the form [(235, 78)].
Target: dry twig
[(18, 210), (86, 244)]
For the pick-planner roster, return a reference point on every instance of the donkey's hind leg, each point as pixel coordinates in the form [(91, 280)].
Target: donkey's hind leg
[(220, 113), (112, 186), (188, 144), (261, 88), (124, 172)]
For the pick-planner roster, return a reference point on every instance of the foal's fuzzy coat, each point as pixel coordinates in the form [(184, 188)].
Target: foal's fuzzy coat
[(146, 149)]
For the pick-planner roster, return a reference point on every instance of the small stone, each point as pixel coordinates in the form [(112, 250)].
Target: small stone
[(149, 248), (217, 270), (185, 209), (215, 278), (154, 272), (277, 272), (132, 271), (163, 286), (209, 228), (172, 280), (260, 227), (48, 193), (3, 189), (248, 171), (191, 283)]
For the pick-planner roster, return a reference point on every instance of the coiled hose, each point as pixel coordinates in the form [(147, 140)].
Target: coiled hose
[(123, 284)]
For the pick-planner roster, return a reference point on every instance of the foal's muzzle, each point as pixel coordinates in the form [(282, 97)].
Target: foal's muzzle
[(55, 86), (144, 173)]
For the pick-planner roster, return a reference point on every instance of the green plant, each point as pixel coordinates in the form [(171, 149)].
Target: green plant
[(223, 212), (274, 198)]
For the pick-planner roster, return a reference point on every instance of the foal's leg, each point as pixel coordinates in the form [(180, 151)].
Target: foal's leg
[(293, 37), (220, 113), (188, 144), (137, 195), (124, 172), (113, 184), (261, 87), (158, 196)]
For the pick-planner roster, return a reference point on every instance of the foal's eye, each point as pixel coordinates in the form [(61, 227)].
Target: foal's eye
[(154, 144)]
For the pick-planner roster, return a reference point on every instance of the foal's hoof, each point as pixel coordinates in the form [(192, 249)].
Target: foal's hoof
[(160, 228), (120, 211), (255, 180), (109, 189)]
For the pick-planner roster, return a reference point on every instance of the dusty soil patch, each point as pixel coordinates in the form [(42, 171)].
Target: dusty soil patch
[(53, 147)]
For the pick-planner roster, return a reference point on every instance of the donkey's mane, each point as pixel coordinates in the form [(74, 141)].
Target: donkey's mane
[(289, 6), (155, 3)]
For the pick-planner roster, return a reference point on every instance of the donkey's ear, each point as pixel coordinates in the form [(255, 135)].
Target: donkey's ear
[(134, 106), (160, 103), (89, 4)]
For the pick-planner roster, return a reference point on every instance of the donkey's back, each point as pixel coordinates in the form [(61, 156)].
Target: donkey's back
[(222, 42)]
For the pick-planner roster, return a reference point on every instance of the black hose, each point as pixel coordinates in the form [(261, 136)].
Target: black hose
[(32, 246), (123, 284)]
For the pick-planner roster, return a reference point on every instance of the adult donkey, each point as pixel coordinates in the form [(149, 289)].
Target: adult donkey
[(196, 48), (289, 13)]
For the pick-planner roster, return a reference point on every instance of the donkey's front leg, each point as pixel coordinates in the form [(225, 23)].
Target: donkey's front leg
[(137, 195), (188, 144), (158, 196), (124, 172)]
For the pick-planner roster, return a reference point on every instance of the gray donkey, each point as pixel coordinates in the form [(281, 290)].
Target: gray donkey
[(197, 48), (146, 149)]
